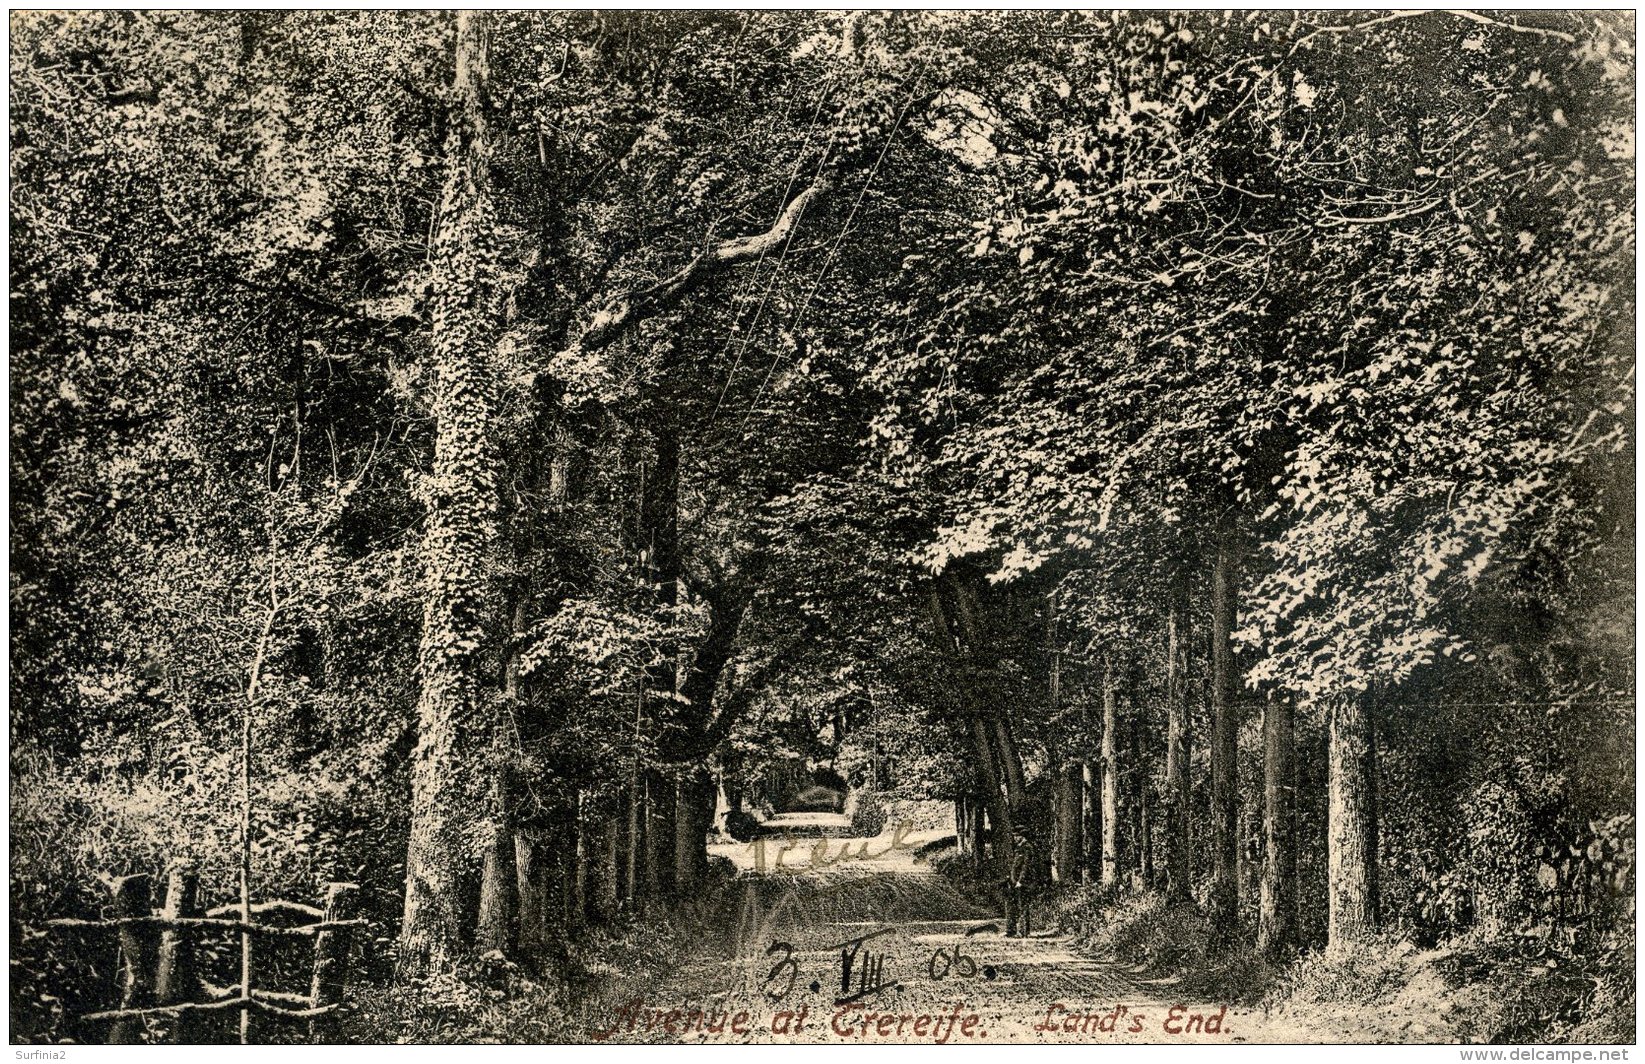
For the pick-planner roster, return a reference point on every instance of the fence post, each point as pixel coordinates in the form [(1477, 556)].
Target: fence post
[(131, 899), (331, 957), (175, 977)]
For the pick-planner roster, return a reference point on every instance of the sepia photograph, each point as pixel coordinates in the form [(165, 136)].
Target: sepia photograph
[(855, 527)]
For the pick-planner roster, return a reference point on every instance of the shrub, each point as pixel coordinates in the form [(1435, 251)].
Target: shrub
[(1143, 928), (742, 825), (1367, 973), (868, 816)]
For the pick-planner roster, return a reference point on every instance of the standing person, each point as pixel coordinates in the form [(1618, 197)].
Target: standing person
[(1019, 887)]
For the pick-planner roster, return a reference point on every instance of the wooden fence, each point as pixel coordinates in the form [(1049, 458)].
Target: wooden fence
[(157, 973)]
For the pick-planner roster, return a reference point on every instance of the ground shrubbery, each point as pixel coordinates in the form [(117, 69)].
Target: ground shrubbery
[(1135, 928), (1474, 989), (76, 824), (1479, 987)]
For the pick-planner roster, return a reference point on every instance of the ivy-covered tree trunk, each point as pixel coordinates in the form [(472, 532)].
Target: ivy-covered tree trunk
[(1110, 777), (957, 631), (1224, 901), (1351, 870), (1179, 866), (1277, 918), (574, 871), (459, 530)]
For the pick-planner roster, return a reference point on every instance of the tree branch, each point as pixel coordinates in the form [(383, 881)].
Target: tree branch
[(622, 312), (1475, 16)]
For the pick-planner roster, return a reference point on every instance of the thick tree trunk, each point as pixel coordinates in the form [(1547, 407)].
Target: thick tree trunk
[(532, 886), (693, 814), (1110, 778), (704, 730), (1277, 919), (459, 529), (1352, 887), (957, 640), (1179, 867), (1224, 907), (657, 544)]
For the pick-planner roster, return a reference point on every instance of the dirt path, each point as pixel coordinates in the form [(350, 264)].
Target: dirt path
[(926, 964)]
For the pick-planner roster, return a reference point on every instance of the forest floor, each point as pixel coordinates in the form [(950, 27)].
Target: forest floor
[(944, 971)]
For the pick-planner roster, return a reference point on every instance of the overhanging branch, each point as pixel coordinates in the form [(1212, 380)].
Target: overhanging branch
[(622, 312)]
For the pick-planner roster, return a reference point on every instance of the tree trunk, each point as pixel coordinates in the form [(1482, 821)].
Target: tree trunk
[(494, 928), (1110, 778), (1016, 788), (979, 835), (634, 845), (659, 835), (1224, 905), (1277, 919), (531, 878), (1242, 855), (694, 812), (998, 795), (1066, 857), (575, 871), (1179, 866), (1091, 803), (602, 865), (138, 947), (1068, 798), (1352, 815), (459, 528), (497, 880), (994, 800), (1142, 835)]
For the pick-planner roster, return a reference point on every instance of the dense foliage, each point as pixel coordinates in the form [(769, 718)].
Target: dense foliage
[(525, 437)]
